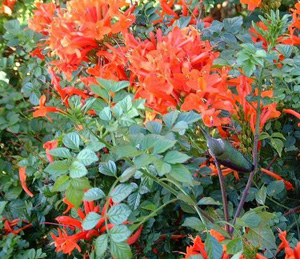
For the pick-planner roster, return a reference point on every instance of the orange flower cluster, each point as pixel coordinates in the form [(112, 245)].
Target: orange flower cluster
[(198, 247), (167, 68), (184, 8), (9, 226), (295, 25), (289, 252), (81, 30), (67, 243), (49, 145), (7, 7)]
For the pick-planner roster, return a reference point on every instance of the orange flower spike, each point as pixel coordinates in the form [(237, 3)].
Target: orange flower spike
[(292, 112), (133, 238), (23, 176), (287, 184)]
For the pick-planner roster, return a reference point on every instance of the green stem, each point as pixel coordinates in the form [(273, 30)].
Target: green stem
[(153, 213), (255, 149)]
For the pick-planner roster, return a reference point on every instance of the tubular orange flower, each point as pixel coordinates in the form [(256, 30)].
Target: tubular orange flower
[(42, 17), (49, 145), (252, 4), (292, 112), (290, 253), (42, 110), (10, 224), (133, 238), (23, 176), (65, 243), (287, 184)]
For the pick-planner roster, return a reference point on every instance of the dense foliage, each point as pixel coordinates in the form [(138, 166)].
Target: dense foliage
[(101, 149)]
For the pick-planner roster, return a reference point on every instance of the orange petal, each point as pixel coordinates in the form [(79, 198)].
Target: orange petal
[(22, 175)]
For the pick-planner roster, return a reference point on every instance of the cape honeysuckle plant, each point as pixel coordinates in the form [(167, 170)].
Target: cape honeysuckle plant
[(103, 106)]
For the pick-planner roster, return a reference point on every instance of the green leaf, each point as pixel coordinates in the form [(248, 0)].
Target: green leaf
[(162, 167), (96, 89), (180, 127), (120, 250), (119, 86), (127, 151), (233, 25), (277, 144), (77, 170), (81, 183), (93, 194), (87, 156), (61, 152), (189, 117), (105, 114), (107, 84), (235, 246), (121, 192), (213, 248), (154, 127), (194, 223), (58, 167), (174, 157), (101, 244), (2, 206), (108, 168), (143, 160), (261, 195), (74, 195), (162, 145), (275, 188), (91, 221), (127, 174), (262, 237), (208, 201), (285, 50), (72, 140), (251, 219), (61, 183), (119, 213), (180, 173), (170, 118), (119, 233)]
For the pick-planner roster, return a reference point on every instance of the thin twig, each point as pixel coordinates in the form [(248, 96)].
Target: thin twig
[(292, 211), (224, 194), (272, 162)]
